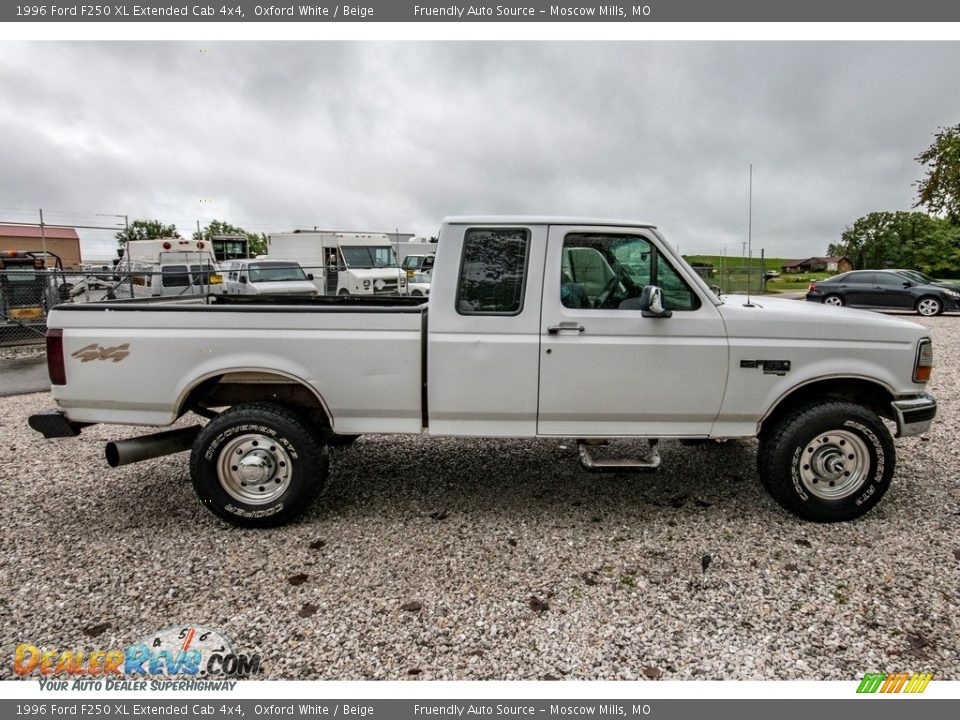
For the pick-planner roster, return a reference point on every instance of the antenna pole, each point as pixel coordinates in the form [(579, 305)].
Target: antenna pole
[(750, 236)]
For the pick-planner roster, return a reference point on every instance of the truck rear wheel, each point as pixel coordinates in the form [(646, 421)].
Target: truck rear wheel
[(828, 461), (257, 465)]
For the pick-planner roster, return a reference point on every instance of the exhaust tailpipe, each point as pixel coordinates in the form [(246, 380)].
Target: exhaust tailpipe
[(145, 447)]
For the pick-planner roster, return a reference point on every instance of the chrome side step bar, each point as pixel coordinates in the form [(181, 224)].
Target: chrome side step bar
[(648, 463)]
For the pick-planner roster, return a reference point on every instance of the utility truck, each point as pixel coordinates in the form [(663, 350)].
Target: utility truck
[(171, 267), (29, 287), (536, 327), (343, 263)]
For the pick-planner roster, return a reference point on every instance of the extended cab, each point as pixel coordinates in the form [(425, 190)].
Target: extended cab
[(536, 327)]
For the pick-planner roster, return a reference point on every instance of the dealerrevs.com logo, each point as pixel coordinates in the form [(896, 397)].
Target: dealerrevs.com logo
[(908, 683), (198, 657)]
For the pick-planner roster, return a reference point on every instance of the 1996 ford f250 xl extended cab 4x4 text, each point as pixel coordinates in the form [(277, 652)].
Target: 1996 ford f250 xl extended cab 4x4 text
[(536, 327)]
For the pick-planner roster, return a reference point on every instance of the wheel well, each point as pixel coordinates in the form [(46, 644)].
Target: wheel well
[(862, 392), (234, 388)]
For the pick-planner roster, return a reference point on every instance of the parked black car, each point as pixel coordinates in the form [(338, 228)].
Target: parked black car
[(888, 289)]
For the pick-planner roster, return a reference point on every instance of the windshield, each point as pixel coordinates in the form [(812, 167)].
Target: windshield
[(276, 273), (368, 256), (918, 277)]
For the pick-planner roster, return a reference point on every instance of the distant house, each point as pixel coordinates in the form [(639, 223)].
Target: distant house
[(818, 264), (61, 241)]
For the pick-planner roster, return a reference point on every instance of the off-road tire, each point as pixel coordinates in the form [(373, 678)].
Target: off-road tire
[(285, 463), (827, 461)]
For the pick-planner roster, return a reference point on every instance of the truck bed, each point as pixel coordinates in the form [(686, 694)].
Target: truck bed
[(365, 357)]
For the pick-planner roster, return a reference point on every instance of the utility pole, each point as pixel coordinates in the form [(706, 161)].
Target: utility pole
[(43, 239)]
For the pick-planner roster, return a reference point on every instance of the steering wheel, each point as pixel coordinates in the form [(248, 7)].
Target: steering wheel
[(604, 297)]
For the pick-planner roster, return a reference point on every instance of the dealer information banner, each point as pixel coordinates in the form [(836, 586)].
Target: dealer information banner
[(211, 708), (532, 11)]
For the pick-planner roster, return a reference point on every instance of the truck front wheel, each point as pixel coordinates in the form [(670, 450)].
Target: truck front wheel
[(257, 465), (827, 461)]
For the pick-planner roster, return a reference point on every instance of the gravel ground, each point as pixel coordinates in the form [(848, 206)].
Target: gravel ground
[(464, 559), (22, 352)]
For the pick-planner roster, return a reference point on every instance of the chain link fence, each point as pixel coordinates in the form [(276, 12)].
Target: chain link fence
[(738, 280), (27, 294)]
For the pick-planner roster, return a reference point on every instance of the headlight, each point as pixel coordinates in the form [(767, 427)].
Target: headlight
[(951, 293)]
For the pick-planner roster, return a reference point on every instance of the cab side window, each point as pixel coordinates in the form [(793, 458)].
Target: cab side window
[(493, 271), (609, 272)]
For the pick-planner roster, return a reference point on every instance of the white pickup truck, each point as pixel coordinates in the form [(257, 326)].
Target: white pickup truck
[(536, 327)]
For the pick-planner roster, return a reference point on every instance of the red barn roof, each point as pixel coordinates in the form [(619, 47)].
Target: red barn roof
[(30, 231)]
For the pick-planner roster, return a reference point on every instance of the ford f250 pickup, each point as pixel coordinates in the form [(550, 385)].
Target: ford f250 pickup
[(536, 327)]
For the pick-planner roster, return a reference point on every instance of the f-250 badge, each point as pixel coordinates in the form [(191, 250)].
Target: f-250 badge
[(98, 352)]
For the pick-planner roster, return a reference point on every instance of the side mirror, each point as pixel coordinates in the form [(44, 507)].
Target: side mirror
[(242, 280), (651, 303), (907, 283), (309, 276)]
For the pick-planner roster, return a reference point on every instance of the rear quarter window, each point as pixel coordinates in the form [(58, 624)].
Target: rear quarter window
[(493, 271)]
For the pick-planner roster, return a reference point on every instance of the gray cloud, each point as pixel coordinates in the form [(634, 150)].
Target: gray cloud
[(383, 135)]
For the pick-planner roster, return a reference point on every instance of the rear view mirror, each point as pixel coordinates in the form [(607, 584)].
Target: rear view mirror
[(651, 303)]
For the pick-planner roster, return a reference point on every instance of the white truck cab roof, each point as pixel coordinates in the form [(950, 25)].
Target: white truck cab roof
[(541, 220)]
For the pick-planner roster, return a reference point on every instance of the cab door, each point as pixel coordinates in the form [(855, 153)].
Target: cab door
[(605, 370)]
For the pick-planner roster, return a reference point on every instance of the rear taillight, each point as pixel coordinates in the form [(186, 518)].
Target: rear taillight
[(923, 367), (58, 373), (812, 286)]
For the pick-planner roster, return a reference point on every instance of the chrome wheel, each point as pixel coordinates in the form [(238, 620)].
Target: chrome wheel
[(254, 469), (834, 300), (928, 307), (834, 465)]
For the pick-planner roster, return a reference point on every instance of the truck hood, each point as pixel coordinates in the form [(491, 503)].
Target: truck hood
[(775, 317)]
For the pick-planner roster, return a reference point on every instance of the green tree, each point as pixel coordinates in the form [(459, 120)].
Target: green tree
[(939, 191), (146, 230), (258, 241), (892, 239)]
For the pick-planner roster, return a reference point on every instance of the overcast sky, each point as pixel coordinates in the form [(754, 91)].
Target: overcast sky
[(379, 136)]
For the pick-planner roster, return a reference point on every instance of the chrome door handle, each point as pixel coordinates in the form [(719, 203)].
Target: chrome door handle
[(556, 329)]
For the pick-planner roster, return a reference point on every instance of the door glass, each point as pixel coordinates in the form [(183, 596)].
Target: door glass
[(610, 271), (888, 279)]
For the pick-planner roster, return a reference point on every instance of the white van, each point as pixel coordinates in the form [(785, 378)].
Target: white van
[(266, 277), (343, 263), (418, 264)]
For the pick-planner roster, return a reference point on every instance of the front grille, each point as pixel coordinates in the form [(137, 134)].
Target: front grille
[(389, 288)]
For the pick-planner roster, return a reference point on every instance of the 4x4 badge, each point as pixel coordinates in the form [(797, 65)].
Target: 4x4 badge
[(98, 352)]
